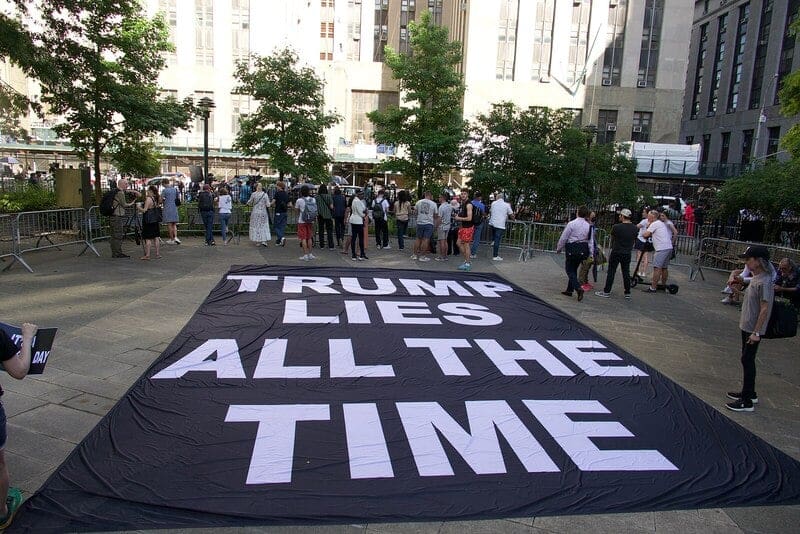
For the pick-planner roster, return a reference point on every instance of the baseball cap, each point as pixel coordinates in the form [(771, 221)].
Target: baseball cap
[(756, 251), (625, 212)]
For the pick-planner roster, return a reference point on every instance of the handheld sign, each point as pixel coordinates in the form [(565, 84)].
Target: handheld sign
[(42, 344)]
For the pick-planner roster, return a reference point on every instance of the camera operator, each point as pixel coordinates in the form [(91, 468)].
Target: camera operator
[(118, 219)]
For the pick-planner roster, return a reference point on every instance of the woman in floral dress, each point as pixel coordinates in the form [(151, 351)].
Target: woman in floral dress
[(259, 219)]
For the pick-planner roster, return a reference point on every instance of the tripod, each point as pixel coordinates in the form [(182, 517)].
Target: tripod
[(135, 223)]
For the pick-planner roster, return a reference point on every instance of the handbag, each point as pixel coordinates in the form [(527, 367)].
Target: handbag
[(153, 215), (578, 250), (177, 202), (782, 321)]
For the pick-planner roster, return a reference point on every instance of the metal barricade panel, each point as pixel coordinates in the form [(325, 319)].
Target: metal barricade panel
[(39, 230)]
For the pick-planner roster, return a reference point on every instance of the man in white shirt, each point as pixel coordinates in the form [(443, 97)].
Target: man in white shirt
[(577, 231), (426, 214), (499, 213), (662, 243)]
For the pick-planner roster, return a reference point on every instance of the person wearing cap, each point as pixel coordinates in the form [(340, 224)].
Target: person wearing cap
[(623, 238), (756, 309)]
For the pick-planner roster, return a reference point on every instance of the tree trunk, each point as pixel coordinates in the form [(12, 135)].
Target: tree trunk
[(421, 176), (98, 186)]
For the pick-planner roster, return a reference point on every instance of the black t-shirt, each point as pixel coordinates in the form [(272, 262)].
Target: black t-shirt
[(281, 202), (463, 213), (8, 349), (624, 235)]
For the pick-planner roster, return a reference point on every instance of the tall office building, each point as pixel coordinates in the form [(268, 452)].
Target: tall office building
[(741, 51)]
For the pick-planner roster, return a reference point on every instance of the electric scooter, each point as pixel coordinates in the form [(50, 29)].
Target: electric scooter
[(636, 279)]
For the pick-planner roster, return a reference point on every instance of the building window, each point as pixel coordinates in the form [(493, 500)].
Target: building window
[(363, 102), (699, 71), (773, 142), (689, 139), (725, 148), (326, 41), (747, 146), (381, 29), (543, 39), (651, 37), (615, 40), (170, 10), (606, 126), (507, 39), (764, 28), (198, 125), (738, 58), (578, 40), (642, 121), (204, 32), (354, 30), (719, 57), (240, 17), (435, 7), (408, 11), (787, 47), (577, 116), (240, 107), (706, 147)]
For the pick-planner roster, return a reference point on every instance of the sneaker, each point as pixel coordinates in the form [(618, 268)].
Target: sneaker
[(580, 294), (740, 406), (627, 296), (169, 242), (462, 267), (587, 287), (727, 300), (413, 256), (378, 247), (177, 241), (424, 258), (283, 242), (472, 256), (304, 258), (312, 257), (602, 294), (727, 291), (737, 395), (567, 293), (497, 258), (387, 247), (13, 501), (650, 290), (354, 258), (439, 258)]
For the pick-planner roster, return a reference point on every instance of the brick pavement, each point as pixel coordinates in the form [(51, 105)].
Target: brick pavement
[(116, 316)]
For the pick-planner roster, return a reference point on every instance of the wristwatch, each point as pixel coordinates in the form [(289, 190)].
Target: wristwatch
[(756, 334)]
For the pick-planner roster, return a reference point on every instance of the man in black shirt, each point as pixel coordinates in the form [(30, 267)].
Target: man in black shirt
[(623, 236)]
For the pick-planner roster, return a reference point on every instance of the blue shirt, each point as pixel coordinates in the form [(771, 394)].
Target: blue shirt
[(244, 193), (480, 205)]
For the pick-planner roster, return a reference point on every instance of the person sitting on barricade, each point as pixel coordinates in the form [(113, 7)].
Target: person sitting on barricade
[(787, 282), (737, 282)]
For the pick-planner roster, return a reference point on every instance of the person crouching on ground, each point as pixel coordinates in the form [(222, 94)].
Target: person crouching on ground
[(756, 309), (577, 230)]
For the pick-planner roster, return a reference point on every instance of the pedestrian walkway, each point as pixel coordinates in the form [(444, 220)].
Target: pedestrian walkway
[(115, 316)]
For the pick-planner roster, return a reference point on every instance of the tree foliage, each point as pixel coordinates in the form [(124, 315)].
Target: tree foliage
[(790, 105), (542, 161), (136, 158), (290, 121), (429, 124)]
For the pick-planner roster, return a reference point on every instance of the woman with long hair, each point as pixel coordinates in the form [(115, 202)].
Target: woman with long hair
[(151, 219), (225, 203), (259, 218), (402, 210)]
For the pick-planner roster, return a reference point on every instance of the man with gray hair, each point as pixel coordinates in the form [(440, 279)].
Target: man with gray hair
[(118, 218), (662, 243)]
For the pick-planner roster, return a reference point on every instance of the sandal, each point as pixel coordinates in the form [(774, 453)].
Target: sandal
[(158, 257), (145, 258)]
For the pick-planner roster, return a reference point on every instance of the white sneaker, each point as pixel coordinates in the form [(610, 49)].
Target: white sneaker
[(472, 256), (169, 242), (727, 300), (304, 258), (424, 258), (177, 241), (312, 257), (727, 291), (413, 256), (387, 247), (497, 258)]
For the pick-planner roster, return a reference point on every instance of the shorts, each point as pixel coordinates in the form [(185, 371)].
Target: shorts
[(465, 234), (424, 231), (638, 244), (3, 431), (442, 232), (305, 231), (661, 258)]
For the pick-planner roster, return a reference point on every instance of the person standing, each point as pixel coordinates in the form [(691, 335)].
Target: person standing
[(623, 237), (281, 211), (205, 205), (756, 309), (339, 209), (452, 235), (445, 215), (643, 245), (244, 192), (151, 221), (426, 213), (467, 231), (402, 210), (380, 211), (325, 217), (662, 243), (477, 203), (688, 216), (499, 213), (16, 362), (225, 203), (306, 207), (169, 196), (579, 232), (259, 217), (358, 216), (118, 218)]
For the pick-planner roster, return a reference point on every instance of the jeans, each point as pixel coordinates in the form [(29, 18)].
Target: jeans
[(325, 225), (338, 225), (497, 236), (476, 240), (748, 367), (357, 233), (452, 242), (223, 222), (381, 232), (623, 260), (208, 222), (280, 225), (402, 226), (571, 267)]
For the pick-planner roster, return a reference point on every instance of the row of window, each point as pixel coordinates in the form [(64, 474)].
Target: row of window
[(748, 140), (607, 126)]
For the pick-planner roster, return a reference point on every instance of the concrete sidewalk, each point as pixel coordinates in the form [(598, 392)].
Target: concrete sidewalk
[(115, 316)]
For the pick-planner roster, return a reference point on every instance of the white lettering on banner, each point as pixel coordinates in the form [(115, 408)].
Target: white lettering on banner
[(356, 311), (440, 288), (506, 360), (588, 360), (296, 312), (295, 284), (249, 283), (40, 356), (443, 352), (398, 312), (575, 437), (480, 448), (343, 362), (366, 443), (272, 359), (384, 286), (273, 453), (228, 363), (489, 289), (482, 315)]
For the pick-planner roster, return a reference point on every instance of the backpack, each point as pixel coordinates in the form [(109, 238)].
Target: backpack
[(310, 209), (205, 202), (377, 210), (477, 215), (107, 203)]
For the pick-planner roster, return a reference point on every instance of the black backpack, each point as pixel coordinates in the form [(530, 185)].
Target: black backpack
[(205, 202), (477, 215), (107, 203), (377, 210)]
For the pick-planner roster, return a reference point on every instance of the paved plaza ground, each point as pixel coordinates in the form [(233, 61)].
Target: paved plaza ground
[(115, 316)]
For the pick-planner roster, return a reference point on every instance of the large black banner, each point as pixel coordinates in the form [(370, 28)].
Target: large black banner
[(299, 395)]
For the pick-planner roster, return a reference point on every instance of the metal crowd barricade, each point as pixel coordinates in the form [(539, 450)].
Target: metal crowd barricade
[(9, 245), (544, 236), (716, 254), (40, 230), (99, 226), (517, 238)]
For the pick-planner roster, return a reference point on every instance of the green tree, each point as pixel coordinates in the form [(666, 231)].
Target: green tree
[(136, 158), (289, 124), (790, 105), (104, 60), (429, 124)]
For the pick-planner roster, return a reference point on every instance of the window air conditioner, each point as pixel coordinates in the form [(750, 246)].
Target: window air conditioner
[(637, 129), (641, 84), (611, 127), (606, 82)]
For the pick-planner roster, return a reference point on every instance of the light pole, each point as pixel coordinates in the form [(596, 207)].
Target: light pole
[(205, 105), (590, 130)]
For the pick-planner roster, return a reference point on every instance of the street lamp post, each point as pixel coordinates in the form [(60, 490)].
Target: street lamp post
[(205, 105), (590, 130)]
